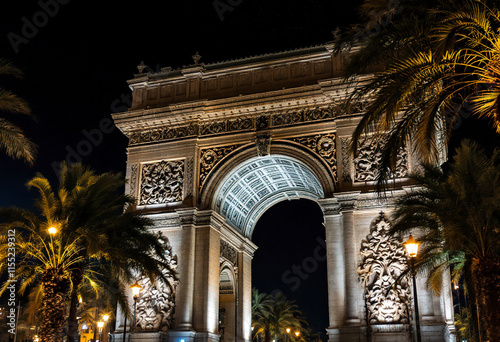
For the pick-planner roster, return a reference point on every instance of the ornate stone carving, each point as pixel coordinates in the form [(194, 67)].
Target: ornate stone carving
[(162, 182), (263, 144), (210, 157), (345, 144), (134, 168), (156, 302), (383, 261), (243, 123), (324, 145), (229, 253), (189, 177), (368, 159)]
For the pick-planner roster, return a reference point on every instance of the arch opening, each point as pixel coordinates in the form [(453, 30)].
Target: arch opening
[(260, 182)]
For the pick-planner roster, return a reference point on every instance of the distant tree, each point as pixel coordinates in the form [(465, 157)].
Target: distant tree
[(273, 314), (13, 141)]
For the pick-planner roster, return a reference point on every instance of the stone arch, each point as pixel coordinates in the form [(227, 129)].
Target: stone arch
[(286, 148)]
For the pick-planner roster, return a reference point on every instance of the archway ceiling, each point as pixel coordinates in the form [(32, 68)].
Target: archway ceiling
[(260, 182)]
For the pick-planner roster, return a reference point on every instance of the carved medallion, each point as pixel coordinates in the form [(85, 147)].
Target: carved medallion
[(162, 182), (156, 302), (383, 261), (210, 157), (324, 145)]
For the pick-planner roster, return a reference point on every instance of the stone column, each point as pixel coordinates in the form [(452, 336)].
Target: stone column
[(335, 265), (347, 205), (206, 279), (186, 258), (245, 291)]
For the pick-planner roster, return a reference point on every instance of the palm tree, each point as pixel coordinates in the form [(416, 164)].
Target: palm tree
[(273, 314), (437, 60), (113, 247), (13, 141), (43, 260), (458, 215)]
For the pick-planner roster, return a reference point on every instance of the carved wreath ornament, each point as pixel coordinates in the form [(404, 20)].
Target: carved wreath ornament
[(156, 302), (383, 261)]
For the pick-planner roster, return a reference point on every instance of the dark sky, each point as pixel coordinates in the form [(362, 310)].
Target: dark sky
[(76, 61)]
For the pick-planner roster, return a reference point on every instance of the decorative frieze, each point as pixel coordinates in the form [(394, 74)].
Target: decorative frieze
[(210, 157), (242, 123), (384, 259), (367, 161), (162, 182), (229, 253), (324, 145), (156, 302)]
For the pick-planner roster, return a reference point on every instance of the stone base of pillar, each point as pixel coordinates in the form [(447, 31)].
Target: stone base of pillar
[(391, 333), (138, 337)]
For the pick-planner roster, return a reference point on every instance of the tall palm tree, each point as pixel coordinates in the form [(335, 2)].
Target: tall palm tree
[(113, 247), (434, 61), (13, 141), (273, 314), (42, 260), (458, 216)]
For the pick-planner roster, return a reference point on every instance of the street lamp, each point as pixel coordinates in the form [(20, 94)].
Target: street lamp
[(297, 334), (105, 318), (288, 333), (52, 230), (100, 324), (412, 247), (136, 289)]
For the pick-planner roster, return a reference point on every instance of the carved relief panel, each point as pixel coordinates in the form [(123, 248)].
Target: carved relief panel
[(156, 302), (162, 182), (383, 261)]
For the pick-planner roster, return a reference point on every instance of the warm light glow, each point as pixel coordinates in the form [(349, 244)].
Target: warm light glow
[(35, 339), (80, 300), (253, 328), (456, 287), (100, 324), (105, 317), (288, 330), (136, 289), (297, 333), (412, 247), (52, 230)]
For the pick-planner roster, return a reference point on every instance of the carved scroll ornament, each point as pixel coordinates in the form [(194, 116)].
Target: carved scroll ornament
[(156, 302), (162, 182), (383, 261)]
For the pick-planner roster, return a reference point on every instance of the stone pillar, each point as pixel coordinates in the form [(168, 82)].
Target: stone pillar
[(245, 292), (186, 259), (351, 248), (206, 280), (335, 265)]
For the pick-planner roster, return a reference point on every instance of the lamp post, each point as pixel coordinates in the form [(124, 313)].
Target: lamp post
[(288, 333), (105, 318), (136, 289), (100, 324), (412, 247), (297, 334)]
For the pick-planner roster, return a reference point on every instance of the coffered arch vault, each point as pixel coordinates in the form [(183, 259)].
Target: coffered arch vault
[(259, 182)]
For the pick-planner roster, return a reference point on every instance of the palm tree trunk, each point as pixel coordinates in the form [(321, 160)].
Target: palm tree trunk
[(73, 307), (55, 291), (486, 273)]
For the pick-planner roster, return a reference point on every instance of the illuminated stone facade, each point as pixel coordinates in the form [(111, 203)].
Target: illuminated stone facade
[(213, 146)]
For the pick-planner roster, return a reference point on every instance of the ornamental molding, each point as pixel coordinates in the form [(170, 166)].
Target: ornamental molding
[(323, 145), (210, 158), (256, 122), (166, 222), (368, 158), (162, 182), (263, 144), (345, 144), (189, 177), (228, 253), (383, 261), (156, 302), (134, 172)]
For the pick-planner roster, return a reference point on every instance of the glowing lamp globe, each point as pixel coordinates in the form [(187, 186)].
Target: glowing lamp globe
[(52, 230), (288, 330), (136, 289), (297, 333), (412, 247), (105, 317), (100, 324)]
